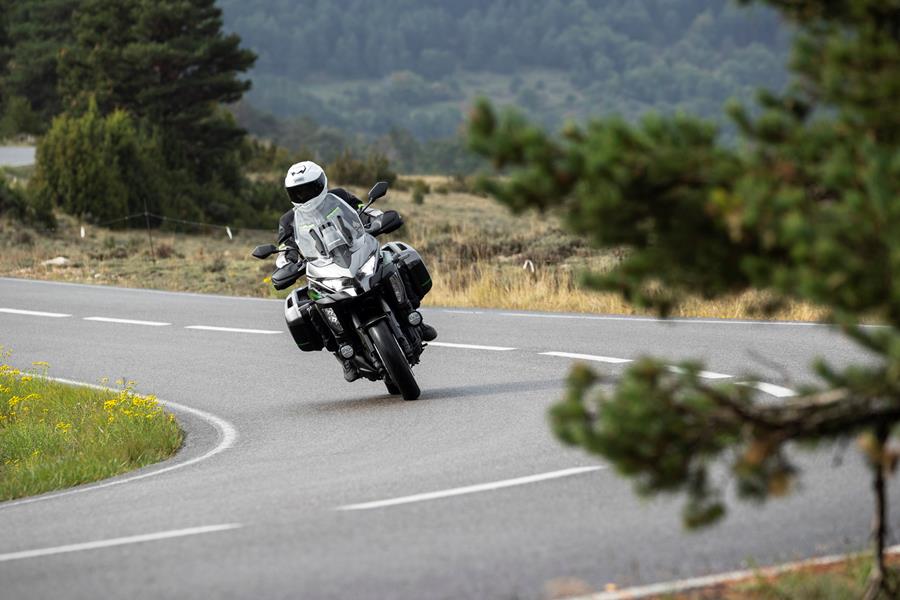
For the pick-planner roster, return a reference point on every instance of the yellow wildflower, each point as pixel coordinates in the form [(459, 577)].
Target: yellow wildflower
[(63, 427)]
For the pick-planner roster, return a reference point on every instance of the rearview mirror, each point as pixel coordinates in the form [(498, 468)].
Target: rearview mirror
[(377, 191), (264, 251)]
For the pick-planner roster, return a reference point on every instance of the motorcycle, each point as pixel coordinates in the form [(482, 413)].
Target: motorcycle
[(361, 297)]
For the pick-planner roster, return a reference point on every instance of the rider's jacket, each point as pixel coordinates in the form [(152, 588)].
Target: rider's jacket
[(286, 222)]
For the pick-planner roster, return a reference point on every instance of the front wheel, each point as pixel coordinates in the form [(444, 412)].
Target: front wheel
[(392, 388), (398, 369)]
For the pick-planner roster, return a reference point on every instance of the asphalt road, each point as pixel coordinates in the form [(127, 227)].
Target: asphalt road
[(287, 458), (16, 156)]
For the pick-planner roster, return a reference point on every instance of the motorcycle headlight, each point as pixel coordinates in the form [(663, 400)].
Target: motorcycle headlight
[(369, 267), (338, 284)]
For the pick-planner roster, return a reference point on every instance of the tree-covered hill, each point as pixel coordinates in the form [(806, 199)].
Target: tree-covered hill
[(417, 64)]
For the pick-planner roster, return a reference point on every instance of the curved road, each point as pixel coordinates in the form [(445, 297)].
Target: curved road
[(324, 489)]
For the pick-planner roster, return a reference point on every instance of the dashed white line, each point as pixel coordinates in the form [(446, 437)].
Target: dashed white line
[(127, 321), (770, 388), (471, 489), (470, 346), (33, 313), (680, 320), (233, 329), (121, 541), (702, 374), (591, 357)]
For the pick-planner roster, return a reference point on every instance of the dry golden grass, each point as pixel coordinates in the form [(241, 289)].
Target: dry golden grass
[(474, 248)]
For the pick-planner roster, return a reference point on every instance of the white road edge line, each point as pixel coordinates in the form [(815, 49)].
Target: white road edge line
[(591, 357), (121, 541), (33, 313), (685, 585), (232, 329), (127, 321), (470, 346), (470, 489), (227, 438)]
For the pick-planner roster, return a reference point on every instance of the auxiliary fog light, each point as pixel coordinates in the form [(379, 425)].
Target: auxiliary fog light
[(332, 319), (347, 351), (414, 318), (397, 284)]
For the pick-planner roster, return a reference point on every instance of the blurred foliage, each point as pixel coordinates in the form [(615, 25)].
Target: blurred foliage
[(806, 209)]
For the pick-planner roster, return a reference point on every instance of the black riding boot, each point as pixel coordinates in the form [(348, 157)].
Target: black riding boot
[(429, 333), (350, 372)]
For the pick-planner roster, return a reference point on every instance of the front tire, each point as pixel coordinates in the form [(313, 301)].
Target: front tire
[(392, 388), (394, 361)]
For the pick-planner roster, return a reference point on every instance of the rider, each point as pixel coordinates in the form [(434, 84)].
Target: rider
[(307, 181)]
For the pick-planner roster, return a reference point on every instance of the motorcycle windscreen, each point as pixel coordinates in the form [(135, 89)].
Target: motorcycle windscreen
[(328, 228)]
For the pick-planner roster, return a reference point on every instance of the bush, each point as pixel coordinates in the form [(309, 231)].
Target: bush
[(419, 189), (99, 168), (347, 169), (24, 208)]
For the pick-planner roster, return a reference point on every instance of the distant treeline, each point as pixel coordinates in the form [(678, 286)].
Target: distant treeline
[(373, 67)]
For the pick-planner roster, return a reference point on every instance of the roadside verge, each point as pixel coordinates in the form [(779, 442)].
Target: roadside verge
[(200, 436)]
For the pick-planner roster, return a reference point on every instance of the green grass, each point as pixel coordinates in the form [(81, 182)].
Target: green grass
[(54, 436)]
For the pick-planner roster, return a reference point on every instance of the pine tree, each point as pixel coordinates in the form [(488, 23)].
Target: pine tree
[(168, 63), (807, 208), (38, 32)]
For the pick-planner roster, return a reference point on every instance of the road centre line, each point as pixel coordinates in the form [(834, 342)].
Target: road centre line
[(591, 357), (702, 374), (127, 321), (227, 438), (33, 313), (770, 388), (470, 489), (470, 346), (232, 329), (121, 541), (766, 388), (679, 320)]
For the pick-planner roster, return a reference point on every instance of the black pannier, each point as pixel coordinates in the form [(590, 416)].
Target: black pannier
[(300, 312), (413, 269)]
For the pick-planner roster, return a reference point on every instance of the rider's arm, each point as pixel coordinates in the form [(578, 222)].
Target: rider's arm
[(286, 236)]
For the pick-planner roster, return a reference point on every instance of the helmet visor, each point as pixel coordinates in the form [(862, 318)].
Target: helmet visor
[(307, 191)]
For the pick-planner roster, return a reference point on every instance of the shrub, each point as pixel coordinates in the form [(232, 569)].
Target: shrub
[(24, 208), (98, 167), (419, 189), (347, 169)]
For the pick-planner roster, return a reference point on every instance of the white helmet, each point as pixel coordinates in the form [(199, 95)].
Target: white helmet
[(305, 181)]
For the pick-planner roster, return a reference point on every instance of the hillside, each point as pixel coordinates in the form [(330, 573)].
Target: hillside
[(366, 67)]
